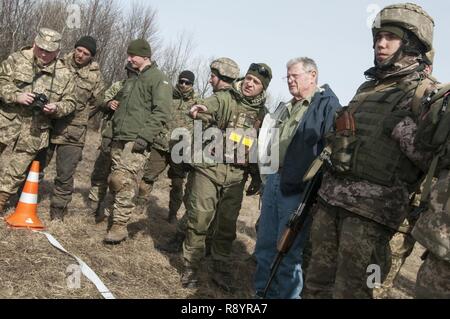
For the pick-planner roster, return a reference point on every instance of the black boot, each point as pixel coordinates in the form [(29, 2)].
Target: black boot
[(174, 246), (223, 277), (57, 213), (172, 218), (189, 276)]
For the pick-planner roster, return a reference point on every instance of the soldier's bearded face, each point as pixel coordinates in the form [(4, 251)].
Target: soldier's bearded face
[(386, 45), (251, 86), (44, 56), (82, 56)]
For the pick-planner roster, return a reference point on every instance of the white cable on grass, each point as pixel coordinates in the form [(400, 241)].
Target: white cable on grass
[(85, 269)]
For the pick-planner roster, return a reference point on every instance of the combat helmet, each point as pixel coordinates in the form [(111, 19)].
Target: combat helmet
[(225, 68), (409, 16)]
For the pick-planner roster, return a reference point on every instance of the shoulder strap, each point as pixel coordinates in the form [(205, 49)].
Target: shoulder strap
[(419, 94), (35, 78), (374, 87)]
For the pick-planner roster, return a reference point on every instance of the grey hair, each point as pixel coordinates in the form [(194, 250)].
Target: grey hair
[(308, 65)]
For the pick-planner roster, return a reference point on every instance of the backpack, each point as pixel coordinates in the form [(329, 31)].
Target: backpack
[(434, 123)]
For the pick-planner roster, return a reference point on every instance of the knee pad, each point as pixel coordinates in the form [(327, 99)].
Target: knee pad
[(116, 181)]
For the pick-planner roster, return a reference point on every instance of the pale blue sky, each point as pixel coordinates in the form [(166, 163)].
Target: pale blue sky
[(334, 33)]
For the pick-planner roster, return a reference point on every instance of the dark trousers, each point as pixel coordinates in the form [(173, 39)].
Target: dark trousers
[(67, 159)]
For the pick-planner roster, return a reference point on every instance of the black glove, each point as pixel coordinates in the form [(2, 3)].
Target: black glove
[(391, 121), (255, 185), (140, 146)]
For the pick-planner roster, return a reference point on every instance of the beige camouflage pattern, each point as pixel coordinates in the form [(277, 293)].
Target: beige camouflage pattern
[(401, 246), (102, 165), (411, 17), (432, 230), (433, 279), (126, 166), (226, 67), (48, 39), (89, 88), (20, 126), (343, 246)]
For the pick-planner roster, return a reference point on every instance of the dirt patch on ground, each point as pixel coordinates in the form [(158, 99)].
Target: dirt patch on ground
[(31, 268)]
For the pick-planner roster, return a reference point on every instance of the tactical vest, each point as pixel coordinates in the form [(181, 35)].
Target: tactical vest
[(377, 157), (241, 134)]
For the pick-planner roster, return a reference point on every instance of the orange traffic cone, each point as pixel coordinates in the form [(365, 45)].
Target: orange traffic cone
[(25, 215)]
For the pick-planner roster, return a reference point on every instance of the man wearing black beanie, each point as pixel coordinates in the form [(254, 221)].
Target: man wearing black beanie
[(69, 133)]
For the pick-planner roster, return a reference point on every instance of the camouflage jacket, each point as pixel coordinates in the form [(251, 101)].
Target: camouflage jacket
[(432, 230), (387, 205), (89, 88), (110, 94), (181, 119), (20, 73), (181, 105)]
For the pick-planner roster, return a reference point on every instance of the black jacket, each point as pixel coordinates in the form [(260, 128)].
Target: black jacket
[(309, 140)]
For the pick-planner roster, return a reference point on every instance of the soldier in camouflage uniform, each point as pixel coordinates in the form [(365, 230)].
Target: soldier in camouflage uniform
[(143, 117), (102, 165), (23, 122), (183, 99), (217, 187), (402, 243), (432, 230), (364, 195), (69, 133)]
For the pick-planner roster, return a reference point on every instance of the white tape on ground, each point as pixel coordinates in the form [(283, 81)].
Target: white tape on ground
[(85, 269)]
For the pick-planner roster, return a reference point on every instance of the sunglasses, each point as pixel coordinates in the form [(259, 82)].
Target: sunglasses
[(260, 69), (184, 82)]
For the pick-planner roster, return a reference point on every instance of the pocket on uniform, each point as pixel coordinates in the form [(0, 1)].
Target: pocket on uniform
[(75, 133), (7, 113), (56, 92), (84, 92)]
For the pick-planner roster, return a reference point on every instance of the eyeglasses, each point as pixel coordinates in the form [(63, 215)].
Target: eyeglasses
[(184, 82), (260, 69), (295, 76)]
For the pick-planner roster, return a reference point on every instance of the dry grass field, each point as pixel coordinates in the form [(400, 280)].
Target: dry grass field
[(31, 268)]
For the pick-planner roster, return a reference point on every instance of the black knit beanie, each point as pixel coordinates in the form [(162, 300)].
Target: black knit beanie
[(88, 43), (188, 75)]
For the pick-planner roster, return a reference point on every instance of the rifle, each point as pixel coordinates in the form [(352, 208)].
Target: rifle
[(294, 226)]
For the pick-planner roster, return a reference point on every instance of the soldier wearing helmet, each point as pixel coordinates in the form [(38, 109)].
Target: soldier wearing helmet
[(223, 72), (217, 185), (374, 164)]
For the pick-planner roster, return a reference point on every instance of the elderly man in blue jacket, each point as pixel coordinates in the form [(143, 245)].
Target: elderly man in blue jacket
[(301, 124)]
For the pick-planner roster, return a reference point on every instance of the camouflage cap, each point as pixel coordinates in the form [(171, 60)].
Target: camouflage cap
[(48, 39), (226, 67), (409, 16)]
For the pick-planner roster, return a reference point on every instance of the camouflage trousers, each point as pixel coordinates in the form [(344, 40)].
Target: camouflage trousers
[(402, 246), (433, 278), (99, 176), (67, 159), (344, 245), (27, 140), (211, 207), (123, 181), (13, 170)]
